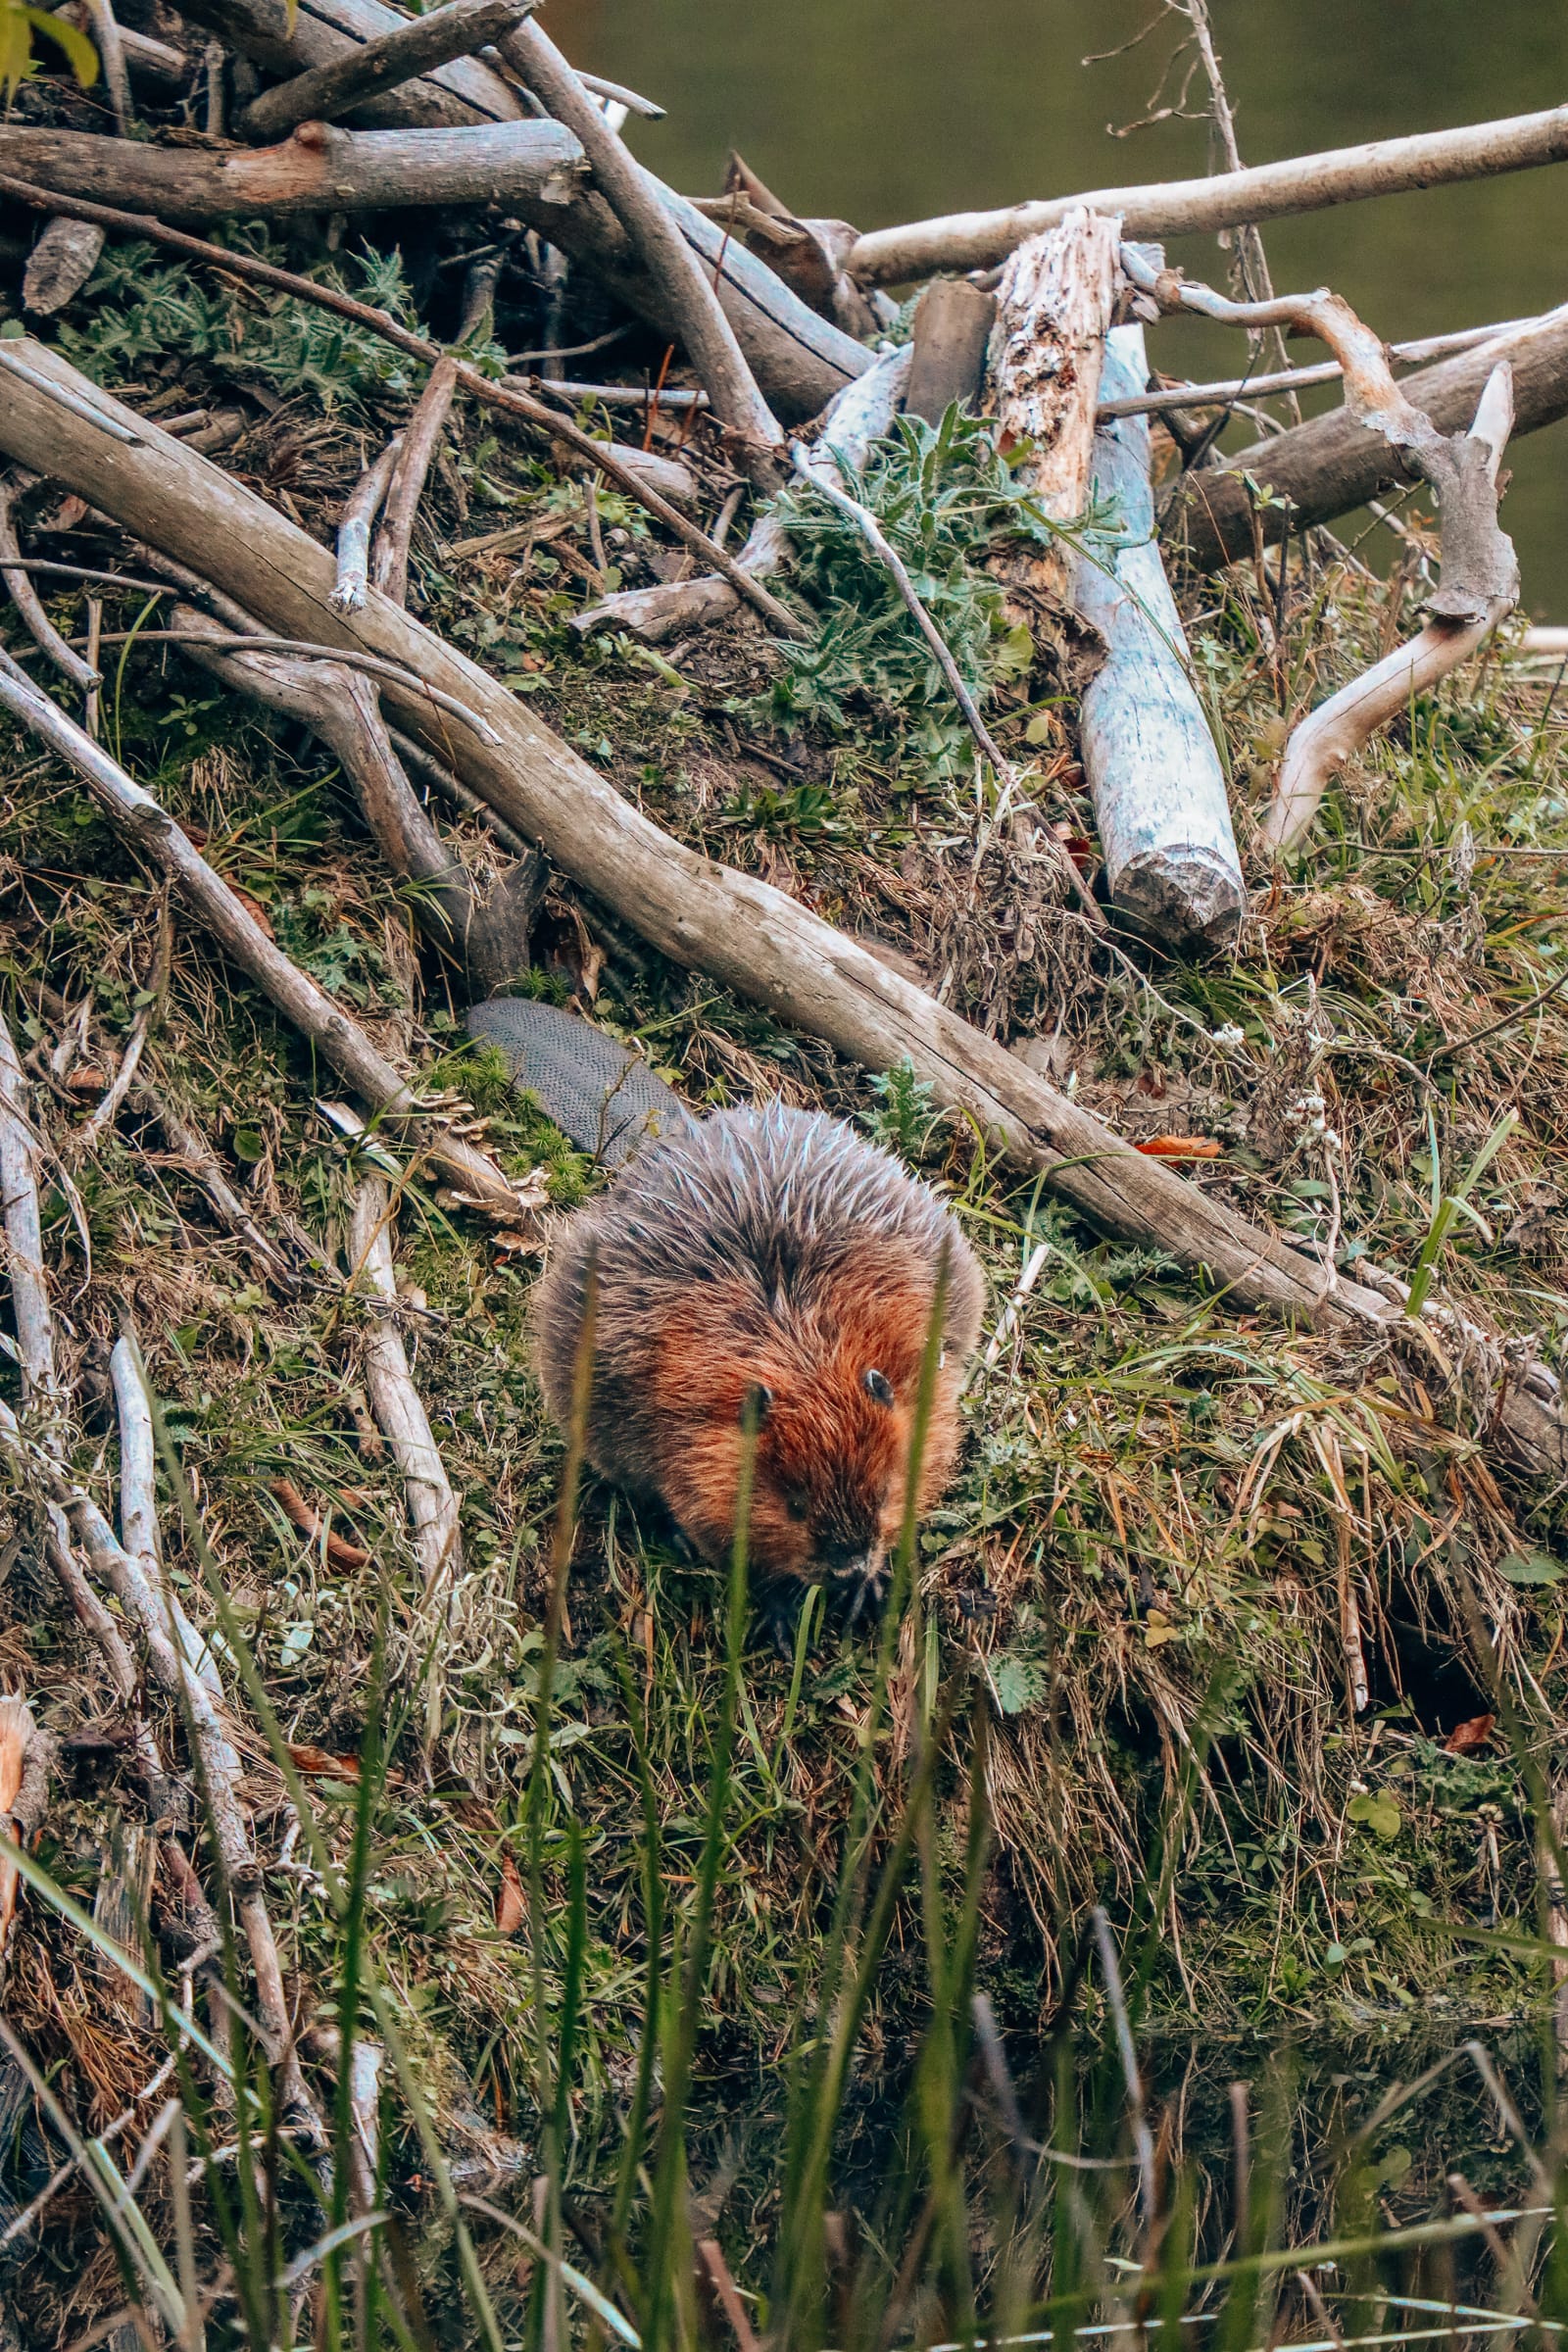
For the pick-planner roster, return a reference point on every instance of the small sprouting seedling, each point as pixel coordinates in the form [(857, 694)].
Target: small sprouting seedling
[(904, 1117), (1446, 1205)]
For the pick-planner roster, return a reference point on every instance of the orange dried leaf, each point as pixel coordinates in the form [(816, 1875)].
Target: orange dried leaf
[(509, 1906), (1179, 1146), (1466, 1737)]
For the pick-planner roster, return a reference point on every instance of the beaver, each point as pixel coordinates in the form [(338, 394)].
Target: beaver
[(775, 1260)]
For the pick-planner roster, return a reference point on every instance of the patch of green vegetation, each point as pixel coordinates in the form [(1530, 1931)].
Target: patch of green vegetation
[(944, 499)]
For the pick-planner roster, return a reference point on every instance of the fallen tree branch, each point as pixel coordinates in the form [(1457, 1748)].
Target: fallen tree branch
[(317, 169), (1307, 183), (730, 925), (396, 1402), (1479, 567), (484, 930), (1147, 748), (147, 828), (504, 396), (1343, 725), (353, 531), (325, 93), (1334, 464), (690, 308), (389, 567)]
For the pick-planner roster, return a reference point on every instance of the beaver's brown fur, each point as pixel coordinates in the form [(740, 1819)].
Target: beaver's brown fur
[(776, 1252)]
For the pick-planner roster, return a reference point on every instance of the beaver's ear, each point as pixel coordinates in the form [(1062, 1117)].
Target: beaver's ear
[(755, 1405)]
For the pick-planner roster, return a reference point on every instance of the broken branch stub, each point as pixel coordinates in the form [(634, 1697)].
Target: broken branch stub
[(1339, 729), (1055, 307), (1149, 752)]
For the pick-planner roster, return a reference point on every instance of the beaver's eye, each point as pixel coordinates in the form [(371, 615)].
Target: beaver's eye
[(877, 1384), (796, 1507)]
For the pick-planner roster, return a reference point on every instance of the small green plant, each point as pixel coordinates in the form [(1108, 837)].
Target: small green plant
[(944, 497), (905, 1116), (136, 309)]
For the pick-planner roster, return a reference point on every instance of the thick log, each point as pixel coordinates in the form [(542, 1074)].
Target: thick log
[(327, 93), (320, 170), (1148, 751), (730, 925), (1306, 183), (1333, 463)]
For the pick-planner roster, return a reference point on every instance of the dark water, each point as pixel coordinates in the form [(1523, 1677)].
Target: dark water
[(879, 111)]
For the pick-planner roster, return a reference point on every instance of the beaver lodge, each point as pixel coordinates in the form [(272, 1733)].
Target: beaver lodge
[(433, 1910)]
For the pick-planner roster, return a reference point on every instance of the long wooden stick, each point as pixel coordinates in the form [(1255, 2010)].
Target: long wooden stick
[(396, 1402), (325, 93), (318, 169), (738, 929), (389, 566), (1306, 183), (353, 531), (692, 307)]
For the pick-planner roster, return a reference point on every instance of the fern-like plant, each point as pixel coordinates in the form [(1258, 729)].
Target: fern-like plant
[(945, 496), (136, 309)]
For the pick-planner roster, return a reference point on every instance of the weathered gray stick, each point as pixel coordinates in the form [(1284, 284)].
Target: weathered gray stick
[(1339, 729), (1148, 749), (60, 265), (728, 924), (396, 1402), (1307, 183), (325, 93), (29, 605), (689, 305), (353, 531)]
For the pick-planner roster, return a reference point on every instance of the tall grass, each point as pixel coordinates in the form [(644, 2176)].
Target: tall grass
[(1063, 2202)]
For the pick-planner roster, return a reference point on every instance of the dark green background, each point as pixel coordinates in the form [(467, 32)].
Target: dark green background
[(887, 110)]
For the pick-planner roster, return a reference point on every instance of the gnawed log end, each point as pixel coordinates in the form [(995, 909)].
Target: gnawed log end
[(1183, 894)]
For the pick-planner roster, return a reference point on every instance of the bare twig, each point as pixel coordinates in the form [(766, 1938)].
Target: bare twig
[(353, 531), (24, 597), (338, 1551), (395, 1400), (390, 565), (111, 49), (694, 309)]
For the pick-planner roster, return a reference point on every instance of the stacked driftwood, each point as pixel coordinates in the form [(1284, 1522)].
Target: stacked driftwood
[(347, 117)]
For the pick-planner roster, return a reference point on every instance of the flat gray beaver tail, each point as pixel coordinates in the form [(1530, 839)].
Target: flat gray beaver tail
[(772, 1253)]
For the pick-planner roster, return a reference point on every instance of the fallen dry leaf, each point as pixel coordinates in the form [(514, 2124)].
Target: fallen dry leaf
[(1179, 1146), (1465, 1737), (320, 1763), (510, 1905)]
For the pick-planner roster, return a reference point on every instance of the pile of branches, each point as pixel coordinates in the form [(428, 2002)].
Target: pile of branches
[(421, 193)]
